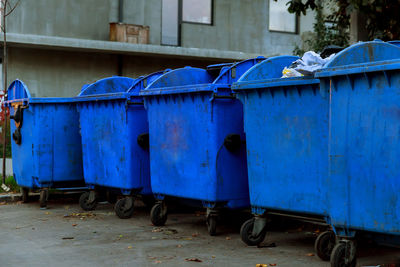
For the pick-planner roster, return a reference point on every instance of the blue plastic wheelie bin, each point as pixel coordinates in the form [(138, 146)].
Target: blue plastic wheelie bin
[(114, 131), (197, 148), (46, 144), (364, 145), (286, 126)]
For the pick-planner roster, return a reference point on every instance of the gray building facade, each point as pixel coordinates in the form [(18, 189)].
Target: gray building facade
[(56, 46)]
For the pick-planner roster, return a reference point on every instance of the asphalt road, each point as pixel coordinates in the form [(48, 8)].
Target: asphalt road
[(64, 235)]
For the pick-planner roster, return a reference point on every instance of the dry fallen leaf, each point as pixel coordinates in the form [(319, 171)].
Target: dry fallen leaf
[(272, 264), (157, 262), (178, 246), (228, 238), (130, 247), (261, 265), (74, 224), (156, 230), (310, 254), (213, 256), (193, 259), (195, 234)]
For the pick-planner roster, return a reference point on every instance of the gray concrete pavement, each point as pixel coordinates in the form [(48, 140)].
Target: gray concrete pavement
[(63, 235)]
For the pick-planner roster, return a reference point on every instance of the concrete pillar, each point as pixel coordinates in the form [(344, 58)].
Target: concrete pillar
[(358, 31), (114, 11)]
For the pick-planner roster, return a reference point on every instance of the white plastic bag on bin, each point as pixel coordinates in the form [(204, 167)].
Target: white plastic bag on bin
[(306, 66)]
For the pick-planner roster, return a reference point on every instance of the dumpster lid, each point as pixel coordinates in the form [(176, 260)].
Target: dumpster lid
[(270, 69), (234, 72), (215, 69), (360, 58), (143, 81), (107, 86), (188, 79), (395, 42), (18, 92)]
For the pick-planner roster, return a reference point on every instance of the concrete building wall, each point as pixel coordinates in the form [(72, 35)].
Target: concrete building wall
[(135, 66), (144, 12), (87, 19), (243, 26), (239, 25), (50, 73)]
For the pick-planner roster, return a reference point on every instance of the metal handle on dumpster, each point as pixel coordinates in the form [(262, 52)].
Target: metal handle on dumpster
[(17, 137), (143, 140), (233, 142), (18, 118)]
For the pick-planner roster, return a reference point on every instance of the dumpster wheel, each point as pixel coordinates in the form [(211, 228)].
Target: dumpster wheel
[(158, 214), (25, 194), (324, 245), (246, 233), (124, 208), (85, 203), (212, 225), (44, 194), (338, 257)]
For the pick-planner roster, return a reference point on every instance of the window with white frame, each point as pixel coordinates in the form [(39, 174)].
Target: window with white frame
[(175, 12), (197, 11), (280, 19)]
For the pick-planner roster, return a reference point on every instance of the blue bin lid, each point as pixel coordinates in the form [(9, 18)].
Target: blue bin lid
[(18, 92), (143, 81), (189, 79), (363, 57), (110, 85), (395, 42), (268, 74)]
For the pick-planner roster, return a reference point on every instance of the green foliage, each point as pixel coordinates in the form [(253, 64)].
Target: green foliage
[(12, 184), (382, 16), (335, 33)]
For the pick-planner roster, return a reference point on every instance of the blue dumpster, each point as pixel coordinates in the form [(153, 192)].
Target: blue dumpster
[(114, 131), (46, 144), (286, 126), (396, 42), (364, 146), (196, 139)]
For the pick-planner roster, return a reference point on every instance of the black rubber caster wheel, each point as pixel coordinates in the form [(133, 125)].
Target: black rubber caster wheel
[(25, 194), (43, 198), (246, 234), (124, 208), (85, 203), (212, 225), (158, 214), (338, 257), (324, 245)]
